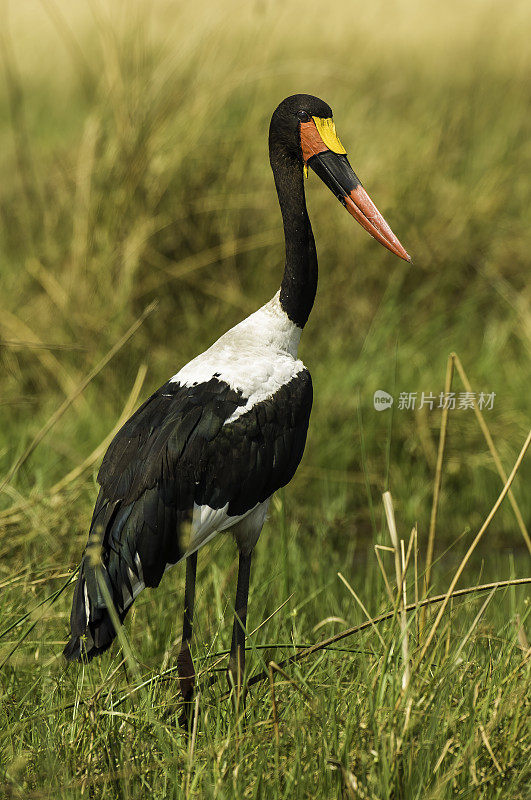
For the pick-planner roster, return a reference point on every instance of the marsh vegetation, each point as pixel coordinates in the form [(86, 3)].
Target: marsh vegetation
[(134, 171)]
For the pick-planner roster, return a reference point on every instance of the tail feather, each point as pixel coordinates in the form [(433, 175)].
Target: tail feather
[(129, 547), (91, 626), (94, 642), (92, 629)]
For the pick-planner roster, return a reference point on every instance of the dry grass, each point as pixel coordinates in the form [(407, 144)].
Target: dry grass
[(133, 168)]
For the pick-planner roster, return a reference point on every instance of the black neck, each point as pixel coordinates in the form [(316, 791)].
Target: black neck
[(299, 283)]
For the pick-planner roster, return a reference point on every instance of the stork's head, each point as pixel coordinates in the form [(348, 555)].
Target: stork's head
[(304, 127)]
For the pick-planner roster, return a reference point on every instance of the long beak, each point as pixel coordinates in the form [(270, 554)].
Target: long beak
[(333, 168)]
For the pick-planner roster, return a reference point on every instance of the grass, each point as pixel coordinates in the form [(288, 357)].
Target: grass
[(133, 169)]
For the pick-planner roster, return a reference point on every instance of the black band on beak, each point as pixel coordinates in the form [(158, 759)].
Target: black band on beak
[(335, 171)]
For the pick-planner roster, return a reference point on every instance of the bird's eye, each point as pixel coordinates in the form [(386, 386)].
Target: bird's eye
[(303, 116)]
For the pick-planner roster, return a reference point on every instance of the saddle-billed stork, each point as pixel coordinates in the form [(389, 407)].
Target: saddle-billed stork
[(206, 452)]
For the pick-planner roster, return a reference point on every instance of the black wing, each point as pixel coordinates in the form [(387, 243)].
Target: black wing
[(176, 450)]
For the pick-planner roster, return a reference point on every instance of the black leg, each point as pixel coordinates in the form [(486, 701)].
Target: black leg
[(185, 665), (237, 648)]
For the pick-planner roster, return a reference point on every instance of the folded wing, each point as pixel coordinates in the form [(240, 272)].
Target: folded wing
[(178, 454)]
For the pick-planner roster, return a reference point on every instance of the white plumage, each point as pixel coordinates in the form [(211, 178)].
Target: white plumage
[(256, 357)]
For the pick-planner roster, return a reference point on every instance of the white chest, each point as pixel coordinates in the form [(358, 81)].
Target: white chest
[(256, 357)]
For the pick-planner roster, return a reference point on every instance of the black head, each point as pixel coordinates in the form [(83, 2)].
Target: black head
[(285, 130), (302, 133)]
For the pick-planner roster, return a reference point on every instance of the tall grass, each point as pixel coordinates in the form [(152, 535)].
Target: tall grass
[(133, 169)]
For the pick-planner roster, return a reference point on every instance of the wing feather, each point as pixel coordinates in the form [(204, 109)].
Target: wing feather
[(177, 453)]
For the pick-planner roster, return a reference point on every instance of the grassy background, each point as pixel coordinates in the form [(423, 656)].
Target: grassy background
[(133, 168)]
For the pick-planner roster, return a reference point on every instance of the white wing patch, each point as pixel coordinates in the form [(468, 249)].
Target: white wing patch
[(207, 522)]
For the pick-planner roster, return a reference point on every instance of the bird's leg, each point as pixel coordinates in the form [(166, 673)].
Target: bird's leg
[(185, 665), (237, 648)]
